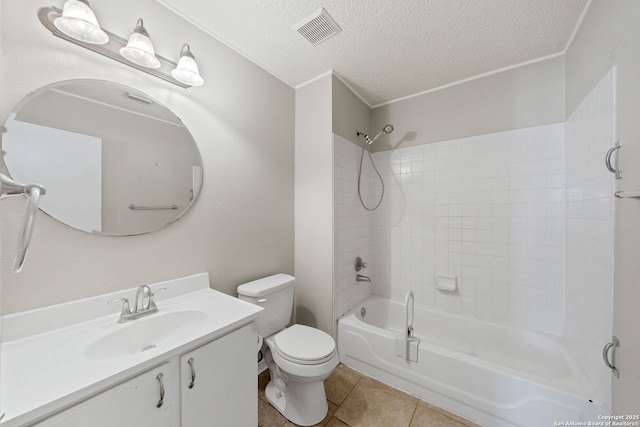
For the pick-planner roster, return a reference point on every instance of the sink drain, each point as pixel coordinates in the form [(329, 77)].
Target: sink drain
[(148, 347)]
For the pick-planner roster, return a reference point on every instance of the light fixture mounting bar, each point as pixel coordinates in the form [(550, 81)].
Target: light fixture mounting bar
[(111, 49)]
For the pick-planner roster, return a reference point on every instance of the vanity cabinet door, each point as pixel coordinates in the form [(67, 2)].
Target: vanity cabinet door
[(219, 381), (131, 403)]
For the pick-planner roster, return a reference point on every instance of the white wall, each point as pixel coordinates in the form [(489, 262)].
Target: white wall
[(609, 37), (589, 232), (239, 229), (1, 240), (525, 96), (314, 204), (349, 112)]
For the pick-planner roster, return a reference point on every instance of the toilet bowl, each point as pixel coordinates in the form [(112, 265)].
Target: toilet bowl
[(299, 357), (297, 372)]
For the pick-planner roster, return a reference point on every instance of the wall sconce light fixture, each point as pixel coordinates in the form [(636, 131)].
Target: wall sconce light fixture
[(77, 24), (79, 21), (187, 69), (139, 48)]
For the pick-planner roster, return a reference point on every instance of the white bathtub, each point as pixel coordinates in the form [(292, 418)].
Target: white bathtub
[(491, 374)]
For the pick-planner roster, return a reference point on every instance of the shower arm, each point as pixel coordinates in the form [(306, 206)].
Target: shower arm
[(9, 187)]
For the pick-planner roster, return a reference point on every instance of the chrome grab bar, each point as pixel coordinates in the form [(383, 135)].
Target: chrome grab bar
[(627, 194), (408, 326), (607, 160), (152, 208), (614, 344)]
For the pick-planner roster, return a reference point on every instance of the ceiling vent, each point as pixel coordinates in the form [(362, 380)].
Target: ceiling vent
[(318, 27)]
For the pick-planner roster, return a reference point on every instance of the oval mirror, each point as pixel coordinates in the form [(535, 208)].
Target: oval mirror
[(113, 160)]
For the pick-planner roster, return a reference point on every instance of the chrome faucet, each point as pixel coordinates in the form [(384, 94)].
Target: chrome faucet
[(143, 299), (143, 304), (359, 265)]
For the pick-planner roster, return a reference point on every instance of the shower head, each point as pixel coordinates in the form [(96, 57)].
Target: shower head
[(386, 130)]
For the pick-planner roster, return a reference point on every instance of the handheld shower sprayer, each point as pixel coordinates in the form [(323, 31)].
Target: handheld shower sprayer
[(386, 130), (368, 141)]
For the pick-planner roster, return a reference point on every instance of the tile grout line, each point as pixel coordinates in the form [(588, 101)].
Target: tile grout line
[(414, 413), (360, 376)]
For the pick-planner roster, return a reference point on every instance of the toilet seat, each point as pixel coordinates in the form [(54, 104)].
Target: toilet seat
[(304, 345)]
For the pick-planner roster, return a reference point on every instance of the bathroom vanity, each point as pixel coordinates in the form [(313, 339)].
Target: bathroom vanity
[(192, 363)]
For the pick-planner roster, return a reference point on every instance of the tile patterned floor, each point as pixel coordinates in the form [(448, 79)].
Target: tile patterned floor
[(359, 401)]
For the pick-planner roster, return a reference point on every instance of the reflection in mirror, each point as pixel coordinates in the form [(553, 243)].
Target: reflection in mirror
[(113, 160)]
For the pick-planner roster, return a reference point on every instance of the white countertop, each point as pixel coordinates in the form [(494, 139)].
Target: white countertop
[(43, 368)]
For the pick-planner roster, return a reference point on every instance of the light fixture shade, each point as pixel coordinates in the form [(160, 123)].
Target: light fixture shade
[(79, 22), (187, 69), (139, 48)]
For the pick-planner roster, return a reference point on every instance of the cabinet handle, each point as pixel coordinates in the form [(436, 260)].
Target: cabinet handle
[(193, 373), (161, 401)]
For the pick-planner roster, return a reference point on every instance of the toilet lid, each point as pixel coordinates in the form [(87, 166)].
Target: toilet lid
[(304, 344)]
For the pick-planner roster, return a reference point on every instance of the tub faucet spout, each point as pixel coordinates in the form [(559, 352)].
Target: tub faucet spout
[(361, 278)]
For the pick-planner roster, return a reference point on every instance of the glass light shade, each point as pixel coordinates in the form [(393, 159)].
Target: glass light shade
[(187, 69), (79, 22), (139, 48)]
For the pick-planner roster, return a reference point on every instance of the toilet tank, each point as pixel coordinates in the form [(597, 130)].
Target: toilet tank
[(275, 295)]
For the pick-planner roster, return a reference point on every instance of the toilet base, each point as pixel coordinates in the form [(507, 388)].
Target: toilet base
[(304, 404)]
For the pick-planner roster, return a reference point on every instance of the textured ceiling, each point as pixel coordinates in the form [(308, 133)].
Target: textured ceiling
[(390, 49)]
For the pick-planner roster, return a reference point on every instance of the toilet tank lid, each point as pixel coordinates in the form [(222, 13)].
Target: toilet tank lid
[(266, 285)]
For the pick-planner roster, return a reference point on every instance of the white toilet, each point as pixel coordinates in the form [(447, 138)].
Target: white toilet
[(299, 357)]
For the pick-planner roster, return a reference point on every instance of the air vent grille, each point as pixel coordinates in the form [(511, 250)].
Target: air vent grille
[(318, 27)]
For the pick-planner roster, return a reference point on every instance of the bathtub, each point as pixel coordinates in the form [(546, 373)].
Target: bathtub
[(491, 374)]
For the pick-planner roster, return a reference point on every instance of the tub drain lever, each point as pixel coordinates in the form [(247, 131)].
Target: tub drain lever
[(614, 344)]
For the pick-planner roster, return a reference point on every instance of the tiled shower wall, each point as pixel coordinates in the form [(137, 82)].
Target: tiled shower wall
[(590, 132), (488, 210), (352, 227), (499, 212)]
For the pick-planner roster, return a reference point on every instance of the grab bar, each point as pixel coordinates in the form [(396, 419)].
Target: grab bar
[(152, 208), (406, 345), (613, 345), (607, 160), (408, 326), (10, 187), (627, 194)]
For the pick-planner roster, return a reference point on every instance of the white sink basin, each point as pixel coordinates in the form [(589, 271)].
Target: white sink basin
[(72, 350), (144, 334)]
